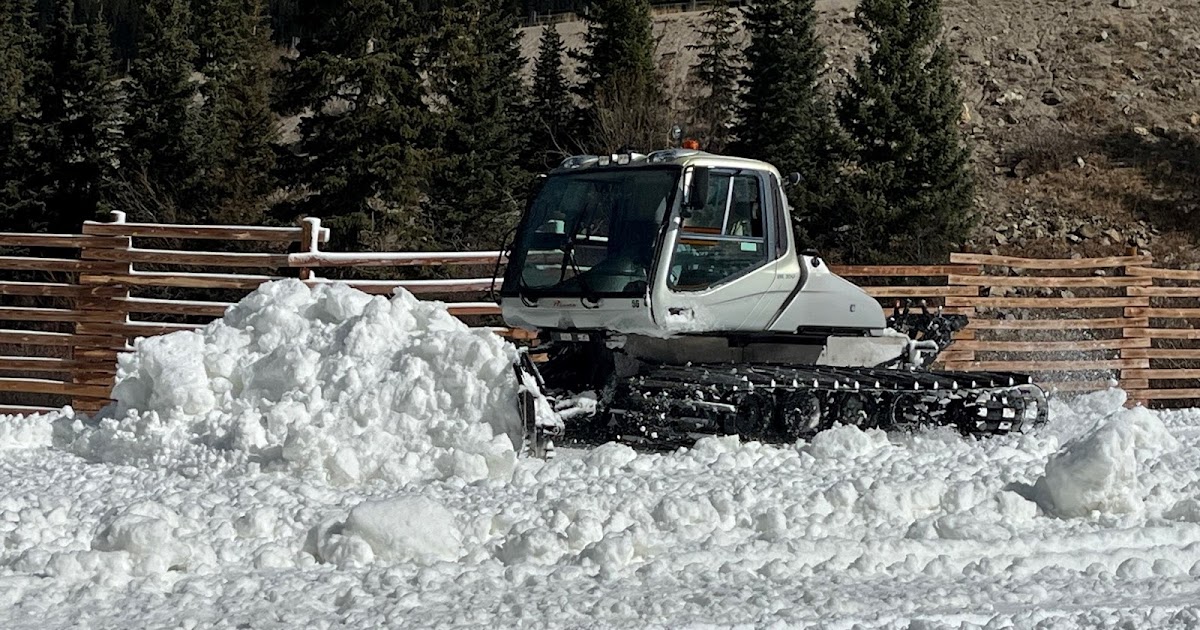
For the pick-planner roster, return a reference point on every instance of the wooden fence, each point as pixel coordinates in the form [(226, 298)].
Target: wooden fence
[(73, 302)]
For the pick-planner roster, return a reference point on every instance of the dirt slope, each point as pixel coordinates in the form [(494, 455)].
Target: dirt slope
[(1084, 116)]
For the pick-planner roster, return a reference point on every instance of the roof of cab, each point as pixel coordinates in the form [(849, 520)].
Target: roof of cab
[(679, 157)]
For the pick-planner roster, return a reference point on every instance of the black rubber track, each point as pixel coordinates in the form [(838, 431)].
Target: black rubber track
[(671, 406)]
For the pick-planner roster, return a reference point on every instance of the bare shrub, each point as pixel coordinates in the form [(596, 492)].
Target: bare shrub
[(630, 112)]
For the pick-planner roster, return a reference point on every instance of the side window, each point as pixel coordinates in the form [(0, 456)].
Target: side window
[(724, 240), (710, 218)]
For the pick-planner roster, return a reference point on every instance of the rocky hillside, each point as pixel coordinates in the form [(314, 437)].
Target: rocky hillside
[(1084, 116)]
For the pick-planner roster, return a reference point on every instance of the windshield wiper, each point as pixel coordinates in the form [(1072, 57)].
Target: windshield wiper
[(569, 258)]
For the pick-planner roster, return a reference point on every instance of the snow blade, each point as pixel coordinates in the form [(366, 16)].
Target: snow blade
[(540, 422)]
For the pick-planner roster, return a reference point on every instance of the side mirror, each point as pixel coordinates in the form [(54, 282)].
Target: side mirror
[(794, 178), (697, 193)]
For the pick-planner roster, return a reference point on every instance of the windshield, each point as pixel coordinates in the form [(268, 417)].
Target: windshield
[(592, 233)]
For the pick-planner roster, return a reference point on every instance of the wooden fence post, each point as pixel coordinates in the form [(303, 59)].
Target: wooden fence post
[(1137, 326), (971, 277), (97, 341), (310, 240)]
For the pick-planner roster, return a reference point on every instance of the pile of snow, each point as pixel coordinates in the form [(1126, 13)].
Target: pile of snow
[(328, 381)]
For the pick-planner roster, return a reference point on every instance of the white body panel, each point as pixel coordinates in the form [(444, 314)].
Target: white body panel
[(827, 300)]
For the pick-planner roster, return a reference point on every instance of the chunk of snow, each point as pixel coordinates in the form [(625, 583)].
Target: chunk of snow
[(34, 431), (395, 530), (1099, 471)]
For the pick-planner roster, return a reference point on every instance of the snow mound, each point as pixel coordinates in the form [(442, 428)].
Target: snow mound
[(847, 441), (1099, 470), (146, 533), (328, 382)]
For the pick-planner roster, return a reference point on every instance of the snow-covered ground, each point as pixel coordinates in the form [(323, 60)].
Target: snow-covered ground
[(322, 458)]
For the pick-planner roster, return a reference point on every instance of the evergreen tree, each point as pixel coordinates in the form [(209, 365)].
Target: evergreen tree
[(235, 58), (359, 162), (550, 103), (913, 189), (161, 165), (474, 68), (619, 41), (715, 78), (785, 119), (79, 126), (18, 67), (620, 87)]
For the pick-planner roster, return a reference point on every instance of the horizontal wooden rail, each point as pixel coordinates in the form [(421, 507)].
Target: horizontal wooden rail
[(66, 265), (1163, 333), (202, 232), (37, 314), (192, 258), (58, 289), (134, 329), (1078, 386), (1037, 302), (890, 292), (35, 364), (473, 308), (1051, 346), (1163, 353), (95, 355), (1051, 366), (1177, 292), (182, 280), (398, 259), (49, 386), (1050, 282), (884, 271), (386, 287), (1051, 263), (1055, 324), (57, 339), (1164, 313), (1164, 394), (1163, 374), (16, 239), (1164, 274)]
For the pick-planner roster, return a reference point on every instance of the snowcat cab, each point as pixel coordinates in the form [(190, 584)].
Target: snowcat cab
[(671, 302)]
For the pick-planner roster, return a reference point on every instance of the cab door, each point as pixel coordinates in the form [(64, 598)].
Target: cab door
[(724, 258)]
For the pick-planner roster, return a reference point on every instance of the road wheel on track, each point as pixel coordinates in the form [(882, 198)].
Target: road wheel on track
[(851, 409), (755, 416), (909, 412), (802, 415)]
